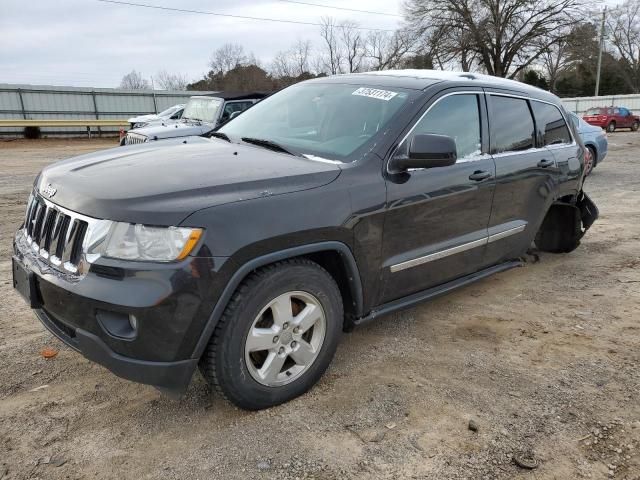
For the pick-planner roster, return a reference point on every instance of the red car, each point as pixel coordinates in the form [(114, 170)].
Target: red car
[(611, 118)]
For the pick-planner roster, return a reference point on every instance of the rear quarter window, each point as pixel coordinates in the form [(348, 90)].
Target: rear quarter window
[(550, 124)]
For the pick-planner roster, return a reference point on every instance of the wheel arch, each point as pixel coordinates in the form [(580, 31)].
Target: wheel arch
[(335, 257)]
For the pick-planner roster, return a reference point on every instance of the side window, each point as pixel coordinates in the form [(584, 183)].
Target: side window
[(511, 124), (457, 116), (624, 112), (231, 107), (616, 111), (552, 129)]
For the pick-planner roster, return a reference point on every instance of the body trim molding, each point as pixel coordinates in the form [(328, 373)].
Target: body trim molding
[(398, 267)]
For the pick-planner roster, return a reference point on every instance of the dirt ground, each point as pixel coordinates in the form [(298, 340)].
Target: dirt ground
[(544, 359)]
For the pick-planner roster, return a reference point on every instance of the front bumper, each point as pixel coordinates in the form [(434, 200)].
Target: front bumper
[(170, 303), (171, 376)]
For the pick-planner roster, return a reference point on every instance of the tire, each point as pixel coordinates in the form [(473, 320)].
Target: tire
[(611, 127), (235, 368), (634, 126), (592, 163)]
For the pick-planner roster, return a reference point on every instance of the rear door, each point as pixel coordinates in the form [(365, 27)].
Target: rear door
[(525, 177), (436, 220), (554, 134)]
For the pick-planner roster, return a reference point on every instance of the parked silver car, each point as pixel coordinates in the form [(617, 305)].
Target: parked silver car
[(201, 115), (171, 113), (594, 138)]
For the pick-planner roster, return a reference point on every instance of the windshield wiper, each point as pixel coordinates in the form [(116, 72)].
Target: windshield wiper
[(221, 135), (276, 147)]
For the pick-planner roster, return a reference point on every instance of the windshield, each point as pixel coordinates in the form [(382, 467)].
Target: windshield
[(326, 120), (202, 109), (169, 111), (593, 111)]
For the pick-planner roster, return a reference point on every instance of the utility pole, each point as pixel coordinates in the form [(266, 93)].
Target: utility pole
[(604, 15)]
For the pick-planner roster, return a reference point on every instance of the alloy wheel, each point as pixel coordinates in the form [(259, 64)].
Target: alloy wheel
[(285, 338)]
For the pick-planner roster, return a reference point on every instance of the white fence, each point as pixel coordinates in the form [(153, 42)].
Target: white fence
[(579, 105), (31, 102), (73, 103)]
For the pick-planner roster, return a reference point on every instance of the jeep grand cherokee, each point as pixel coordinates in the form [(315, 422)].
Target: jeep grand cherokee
[(328, 204)]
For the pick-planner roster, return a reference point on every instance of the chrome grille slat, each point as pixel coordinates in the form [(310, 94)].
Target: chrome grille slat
[(56, 234), (61, 236)]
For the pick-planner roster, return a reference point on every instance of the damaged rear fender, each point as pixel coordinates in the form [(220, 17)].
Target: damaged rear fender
[(565, 224)]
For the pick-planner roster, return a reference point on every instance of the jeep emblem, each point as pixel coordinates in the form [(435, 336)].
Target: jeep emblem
[(49, 191)]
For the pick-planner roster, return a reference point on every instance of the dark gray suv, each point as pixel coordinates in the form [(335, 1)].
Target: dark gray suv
[(329, 204)]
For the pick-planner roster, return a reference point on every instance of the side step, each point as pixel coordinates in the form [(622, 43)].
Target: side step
[(433, 292)]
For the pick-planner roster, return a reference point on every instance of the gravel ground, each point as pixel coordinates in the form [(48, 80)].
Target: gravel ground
[(541, 361)]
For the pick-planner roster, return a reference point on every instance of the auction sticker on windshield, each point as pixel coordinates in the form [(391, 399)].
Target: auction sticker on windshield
[(385, 95)]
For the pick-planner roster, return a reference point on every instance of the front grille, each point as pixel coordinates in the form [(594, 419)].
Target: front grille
[(134, 139), (55, 234)]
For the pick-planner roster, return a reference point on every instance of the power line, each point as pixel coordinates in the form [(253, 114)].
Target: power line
[(343, 8), (228, 15)]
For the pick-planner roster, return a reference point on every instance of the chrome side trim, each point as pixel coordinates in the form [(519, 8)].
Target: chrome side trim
[(457, 249), (506, 233), (438, 255)]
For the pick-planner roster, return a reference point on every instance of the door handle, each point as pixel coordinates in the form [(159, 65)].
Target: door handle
[(479, 175), (544, 163)]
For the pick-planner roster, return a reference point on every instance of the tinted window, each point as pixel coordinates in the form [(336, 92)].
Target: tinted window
[(624, 111), (595, 111), (457, 116), (511, 124), (552, 129)]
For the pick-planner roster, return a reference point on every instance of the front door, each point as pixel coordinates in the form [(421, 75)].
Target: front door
[(436, 220)]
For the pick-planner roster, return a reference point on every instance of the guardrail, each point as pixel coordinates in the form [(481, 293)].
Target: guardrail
[(62, 123), (65, 123)]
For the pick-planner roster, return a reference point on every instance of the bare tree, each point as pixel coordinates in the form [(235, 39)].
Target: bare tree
[(171, 81), (301, 51), (331, 57), (387, 50), (282, 65), (506, 35), (555, 60), (134, 81), (352, 42), (228, 57), (624, 25), (293, 62)]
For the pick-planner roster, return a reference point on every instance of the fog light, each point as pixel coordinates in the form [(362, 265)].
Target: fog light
[(133, 321)]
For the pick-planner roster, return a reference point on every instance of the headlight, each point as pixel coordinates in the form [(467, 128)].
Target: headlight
[(139, 125), (126, 241)]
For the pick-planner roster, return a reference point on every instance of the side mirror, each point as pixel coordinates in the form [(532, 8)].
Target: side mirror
[(234, 115), (427, 151)]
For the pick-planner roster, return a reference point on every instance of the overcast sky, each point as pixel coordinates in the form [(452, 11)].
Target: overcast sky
[(89, 43)]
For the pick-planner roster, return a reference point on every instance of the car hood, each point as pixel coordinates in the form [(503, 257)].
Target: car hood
[(162, 183), (143, 118), (172, 130)]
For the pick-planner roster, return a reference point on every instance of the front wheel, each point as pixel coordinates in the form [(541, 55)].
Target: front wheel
[(634, 126), (277, 335), (611, 127)]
